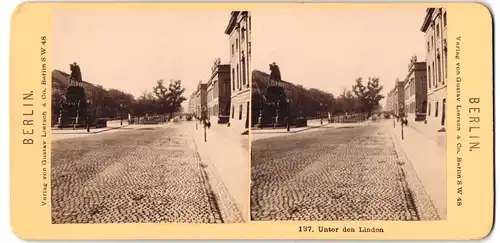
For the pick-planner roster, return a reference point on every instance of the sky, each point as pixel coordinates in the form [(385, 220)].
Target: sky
[(131, 51), (329, 49)]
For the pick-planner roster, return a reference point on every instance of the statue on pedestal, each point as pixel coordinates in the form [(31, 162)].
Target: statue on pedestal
[(73, 111), (275, 71), (76, 74)]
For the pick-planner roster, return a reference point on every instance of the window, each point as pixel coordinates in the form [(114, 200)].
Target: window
[(248, 112), (250, 22), (238, 76), (445, 68), (437, 31), (445, 21), (437, 109), (412, 87), (428, 47), (232, 49), (232, 112), (432, 42), (434, 74), (237, 45), (429, 75), (241, 112), (243, 71), (242, 34), (439, 68), (429, 110), (234, 81)]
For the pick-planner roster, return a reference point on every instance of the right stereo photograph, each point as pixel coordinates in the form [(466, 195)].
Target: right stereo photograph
[(348, 114)]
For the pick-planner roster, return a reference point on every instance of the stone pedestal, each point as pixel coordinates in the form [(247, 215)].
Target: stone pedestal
[(73, 111)]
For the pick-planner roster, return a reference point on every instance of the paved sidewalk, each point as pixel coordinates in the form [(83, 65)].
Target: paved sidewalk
[(312, 125), (428, 158), (110, 125), (228, 154), (58, 134), (429, 131)]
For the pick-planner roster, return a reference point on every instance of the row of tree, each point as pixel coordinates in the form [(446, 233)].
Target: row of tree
[(165, 99), (363, 97)]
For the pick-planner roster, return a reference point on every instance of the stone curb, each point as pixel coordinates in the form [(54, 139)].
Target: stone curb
[(423, 203), (229, 210), (84, 131), (279, 133)]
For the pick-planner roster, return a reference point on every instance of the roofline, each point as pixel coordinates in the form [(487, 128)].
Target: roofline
[(232, 22), (427, 20)]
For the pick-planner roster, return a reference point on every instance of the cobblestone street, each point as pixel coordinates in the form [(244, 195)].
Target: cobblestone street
[(138, 175), (348, 173)]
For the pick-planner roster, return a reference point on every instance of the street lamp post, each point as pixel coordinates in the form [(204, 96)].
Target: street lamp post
[(87, 114), (320, 113), (402, 135), (402, 119), (121, 115), (287, 114), (204, 117)]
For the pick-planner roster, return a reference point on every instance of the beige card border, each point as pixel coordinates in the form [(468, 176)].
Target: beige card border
[(30, 220)]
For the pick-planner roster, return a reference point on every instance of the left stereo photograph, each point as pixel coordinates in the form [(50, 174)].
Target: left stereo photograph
[(150, 117)]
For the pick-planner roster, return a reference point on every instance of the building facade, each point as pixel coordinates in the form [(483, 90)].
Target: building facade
[(390, 105), (192, 103), (415, 91), (201, 100), (396, 99), (435, 27), (239, 31), (219, 93)]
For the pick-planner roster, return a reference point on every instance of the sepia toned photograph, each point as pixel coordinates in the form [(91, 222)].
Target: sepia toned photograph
[(150, 117), (348, 114)]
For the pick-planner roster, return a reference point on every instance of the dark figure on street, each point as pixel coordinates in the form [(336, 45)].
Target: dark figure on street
[(207, 123)]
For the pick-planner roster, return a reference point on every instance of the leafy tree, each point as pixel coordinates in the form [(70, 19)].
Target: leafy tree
[(368, 96), (374, 96), (162, 96), (145, 104), (169, 99), (346, 102), (175, 96)]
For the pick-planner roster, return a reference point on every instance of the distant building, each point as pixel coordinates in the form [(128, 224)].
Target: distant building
[(435, 27), (201, 100), (415, 91), (192, 103), (390, 99), (396, 98), (219, 92), (239, 31)]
